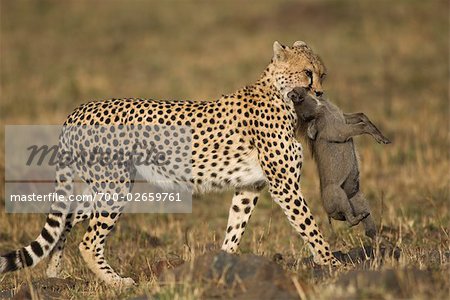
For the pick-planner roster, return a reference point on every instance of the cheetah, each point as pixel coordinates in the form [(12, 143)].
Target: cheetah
[(245, 141)]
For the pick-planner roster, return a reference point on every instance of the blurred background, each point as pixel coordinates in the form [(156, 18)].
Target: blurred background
[(389, 59)]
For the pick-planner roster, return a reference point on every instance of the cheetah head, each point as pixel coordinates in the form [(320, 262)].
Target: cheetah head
[(296, 67)]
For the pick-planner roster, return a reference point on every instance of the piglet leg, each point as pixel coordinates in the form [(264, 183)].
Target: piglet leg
[(361, 206), (338, 207)]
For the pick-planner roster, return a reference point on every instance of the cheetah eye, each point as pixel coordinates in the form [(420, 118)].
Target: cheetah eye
[(308, 73), (323, 76), (310, 76)]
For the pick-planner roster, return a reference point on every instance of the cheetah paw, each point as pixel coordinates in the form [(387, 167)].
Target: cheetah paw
[(124, 282), (53, 273), (335, 262), (327, 261)]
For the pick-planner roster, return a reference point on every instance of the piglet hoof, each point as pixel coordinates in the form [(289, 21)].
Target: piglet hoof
[(371, 233), (381, 139), (355, 221)]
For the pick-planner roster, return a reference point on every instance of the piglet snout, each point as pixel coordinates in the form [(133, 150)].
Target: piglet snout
[(297, 95)]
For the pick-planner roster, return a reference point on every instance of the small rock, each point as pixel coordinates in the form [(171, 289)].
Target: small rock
[(50, 288), (246, 276), (160, 266), (277, 257), (359, 255), (401, 283)]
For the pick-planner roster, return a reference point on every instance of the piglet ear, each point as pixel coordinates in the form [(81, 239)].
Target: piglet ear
[(300, 44), (280, 52), (312, 130)]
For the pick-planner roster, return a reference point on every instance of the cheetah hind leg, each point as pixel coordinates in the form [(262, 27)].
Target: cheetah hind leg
[(102, 222), (80, 213), (243, 203), (55, 257)]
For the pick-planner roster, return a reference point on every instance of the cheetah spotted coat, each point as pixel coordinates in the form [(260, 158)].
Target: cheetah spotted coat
[(245, 141)]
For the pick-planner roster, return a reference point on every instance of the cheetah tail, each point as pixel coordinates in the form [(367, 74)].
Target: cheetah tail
[(30, 255), (40, 248)]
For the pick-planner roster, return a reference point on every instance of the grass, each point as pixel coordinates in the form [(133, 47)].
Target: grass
[(388, 59)]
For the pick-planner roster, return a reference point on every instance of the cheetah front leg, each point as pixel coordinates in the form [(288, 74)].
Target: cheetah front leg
[(243, 203), (283, 176)]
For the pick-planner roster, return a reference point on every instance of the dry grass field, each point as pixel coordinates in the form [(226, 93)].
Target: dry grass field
[(389, 59)]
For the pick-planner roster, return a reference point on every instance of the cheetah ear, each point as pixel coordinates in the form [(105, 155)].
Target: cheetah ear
[(300, 44), (280, 52), (312, 130)]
